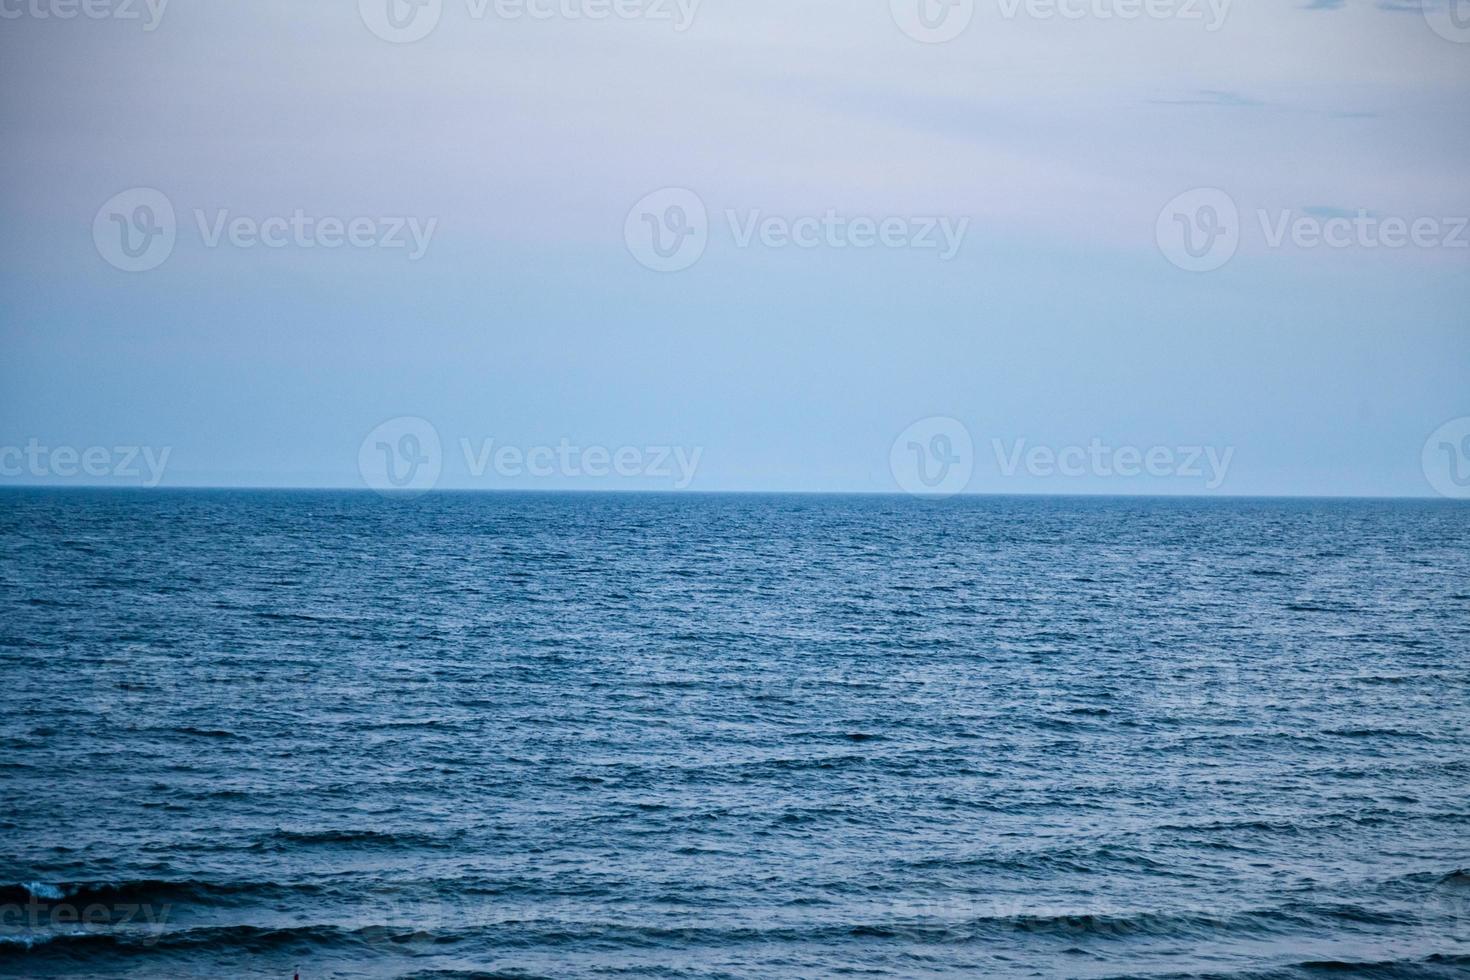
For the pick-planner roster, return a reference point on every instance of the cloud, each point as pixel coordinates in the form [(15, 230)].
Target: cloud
[(1215, 97), (1233, 100)]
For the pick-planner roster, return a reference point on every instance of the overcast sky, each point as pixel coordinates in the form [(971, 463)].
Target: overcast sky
[(498, 287)]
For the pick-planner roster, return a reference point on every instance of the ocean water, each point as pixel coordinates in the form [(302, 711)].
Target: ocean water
[(476, 735)]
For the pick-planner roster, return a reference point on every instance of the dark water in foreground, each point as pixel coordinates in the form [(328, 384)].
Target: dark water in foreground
[(656, 736)]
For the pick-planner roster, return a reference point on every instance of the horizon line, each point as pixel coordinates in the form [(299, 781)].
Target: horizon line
[(414, 494)]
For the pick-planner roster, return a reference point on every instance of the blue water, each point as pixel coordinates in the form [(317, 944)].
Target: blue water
[(732, 736)]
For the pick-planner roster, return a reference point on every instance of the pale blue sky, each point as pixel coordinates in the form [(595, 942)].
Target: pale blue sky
[(529, 321)]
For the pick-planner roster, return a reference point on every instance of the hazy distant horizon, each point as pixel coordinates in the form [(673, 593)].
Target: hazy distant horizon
[(410, 495)]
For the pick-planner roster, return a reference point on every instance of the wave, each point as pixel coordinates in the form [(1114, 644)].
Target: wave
[(249, 939), (30, 890), (287, 839), (1318, 607), (1427, 968), (468, 975), (1389, 969), (542, 934), (1066, 860), (1378, 733), (208, 732), (243, 939), (146, 891)]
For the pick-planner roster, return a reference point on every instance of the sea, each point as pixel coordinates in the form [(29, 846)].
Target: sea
[(469, 735)]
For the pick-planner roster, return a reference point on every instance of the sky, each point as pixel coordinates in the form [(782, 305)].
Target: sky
[(937, 246)]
